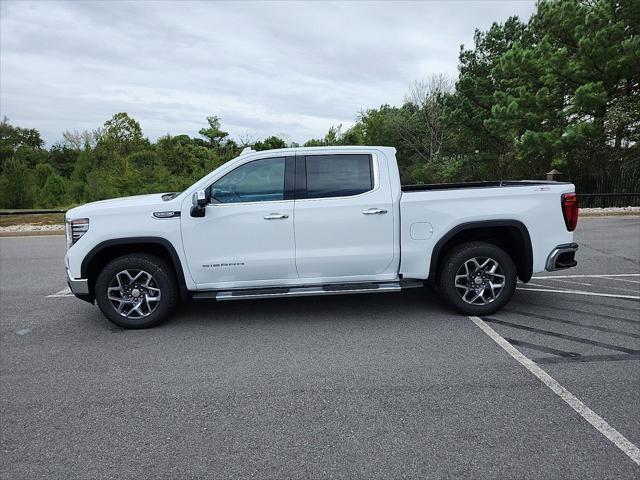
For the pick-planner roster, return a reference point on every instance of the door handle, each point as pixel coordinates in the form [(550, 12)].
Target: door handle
[(275, 216), (374, 211)]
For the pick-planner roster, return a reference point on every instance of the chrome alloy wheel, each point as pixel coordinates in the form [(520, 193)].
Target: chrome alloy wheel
[(480, 280), (134, 293)]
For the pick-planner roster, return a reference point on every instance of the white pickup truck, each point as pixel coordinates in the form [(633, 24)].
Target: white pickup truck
[(316, 221)]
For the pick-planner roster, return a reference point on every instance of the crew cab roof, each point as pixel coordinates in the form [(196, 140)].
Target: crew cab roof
[(310, 150)]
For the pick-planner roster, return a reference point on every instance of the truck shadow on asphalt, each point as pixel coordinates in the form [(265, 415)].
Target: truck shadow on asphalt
[(421, 302), (549, 329)]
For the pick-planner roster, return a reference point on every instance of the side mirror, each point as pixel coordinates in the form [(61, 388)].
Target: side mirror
[(199, 202), (199, 198)]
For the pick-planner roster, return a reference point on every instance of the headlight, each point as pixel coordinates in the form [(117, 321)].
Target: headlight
[(75, 229)]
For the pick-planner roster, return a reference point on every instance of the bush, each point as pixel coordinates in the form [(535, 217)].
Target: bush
[(54, 193), (17, 188)]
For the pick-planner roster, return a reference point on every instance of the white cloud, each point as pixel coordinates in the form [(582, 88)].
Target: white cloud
[(263, 67)]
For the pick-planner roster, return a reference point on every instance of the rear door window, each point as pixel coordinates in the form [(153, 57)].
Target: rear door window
[(338, 175)]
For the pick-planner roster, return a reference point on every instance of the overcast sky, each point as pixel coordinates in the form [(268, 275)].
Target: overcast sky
[(264, 68)]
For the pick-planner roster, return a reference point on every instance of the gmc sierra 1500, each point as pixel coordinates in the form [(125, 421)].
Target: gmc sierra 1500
[(316, 221)]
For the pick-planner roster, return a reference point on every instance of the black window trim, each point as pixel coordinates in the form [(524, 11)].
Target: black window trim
[(289, 181), (301, 175)]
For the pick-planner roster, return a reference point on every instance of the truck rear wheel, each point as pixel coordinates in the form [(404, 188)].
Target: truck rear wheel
[(477, 278), (136, 291)]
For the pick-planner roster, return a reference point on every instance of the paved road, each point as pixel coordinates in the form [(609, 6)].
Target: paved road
[(371, 386)]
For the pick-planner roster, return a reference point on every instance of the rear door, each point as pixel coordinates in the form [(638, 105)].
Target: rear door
[(343, 218)]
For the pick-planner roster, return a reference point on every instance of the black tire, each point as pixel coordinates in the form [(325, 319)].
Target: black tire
[(163, 279), (454, 264)]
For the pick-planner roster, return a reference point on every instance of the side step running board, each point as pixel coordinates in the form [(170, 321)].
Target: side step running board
[(343, 289)]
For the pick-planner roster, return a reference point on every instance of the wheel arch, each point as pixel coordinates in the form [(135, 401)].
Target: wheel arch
[(106, 251), (510, 235)]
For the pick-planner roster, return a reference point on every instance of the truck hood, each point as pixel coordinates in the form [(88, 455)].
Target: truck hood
[(116, 203)]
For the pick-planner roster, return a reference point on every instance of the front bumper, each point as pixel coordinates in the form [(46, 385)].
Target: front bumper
[(80, 288), (561, 257)]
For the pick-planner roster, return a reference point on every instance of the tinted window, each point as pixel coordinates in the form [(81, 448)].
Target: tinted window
[(338, 175), (258, 181)]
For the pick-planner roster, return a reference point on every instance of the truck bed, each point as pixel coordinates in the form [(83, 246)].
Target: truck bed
[(488, 184)]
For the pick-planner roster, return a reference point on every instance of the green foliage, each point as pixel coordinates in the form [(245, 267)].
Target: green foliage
[(17, 189), (213, 133), (54, 192), (333, 137), (14, 138), (42, 172), (63, 159), (121, 129), (269, 143)]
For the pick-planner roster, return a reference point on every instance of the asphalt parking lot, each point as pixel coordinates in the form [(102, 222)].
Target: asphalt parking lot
[(368, 386)]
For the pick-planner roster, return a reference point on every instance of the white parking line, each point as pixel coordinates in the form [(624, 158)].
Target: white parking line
[(624, 280), (65, 292), (574, 402), (607, 275), (578, 292), (531, 284), (572, 282), (591, 285)]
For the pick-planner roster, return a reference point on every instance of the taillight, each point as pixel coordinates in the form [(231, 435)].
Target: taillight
[(570, 209)]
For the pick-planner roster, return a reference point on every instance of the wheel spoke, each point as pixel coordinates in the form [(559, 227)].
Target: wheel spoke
[(121, 306), (479, 280), (466, 269), (134, 293), (149, 280), (493, 290), (458, 284), (477, 295)]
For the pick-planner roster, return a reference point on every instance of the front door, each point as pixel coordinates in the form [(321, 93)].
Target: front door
[(246, 237)]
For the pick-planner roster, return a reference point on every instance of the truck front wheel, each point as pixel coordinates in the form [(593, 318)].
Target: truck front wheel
[(136, 291), (477, 278)]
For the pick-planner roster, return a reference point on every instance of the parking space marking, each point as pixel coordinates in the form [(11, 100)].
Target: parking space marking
[(531, 284), (65, 292), (570, 399), (614, 357), (626, 308), (579, 292), (564, 336), (588, 314), (603, 275), (571, 322), (626, 280), (572, 282)]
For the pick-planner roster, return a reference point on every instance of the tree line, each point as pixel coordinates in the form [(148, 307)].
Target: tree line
[(561, 90)]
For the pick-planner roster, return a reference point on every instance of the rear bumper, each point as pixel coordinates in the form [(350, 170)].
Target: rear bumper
[(561, 257)]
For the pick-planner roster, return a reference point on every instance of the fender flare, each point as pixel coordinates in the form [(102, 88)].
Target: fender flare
[(525, 272), (173, 254)]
